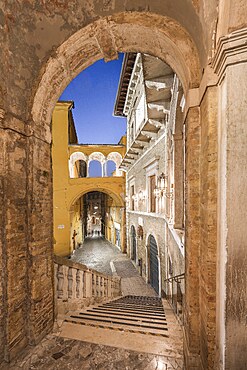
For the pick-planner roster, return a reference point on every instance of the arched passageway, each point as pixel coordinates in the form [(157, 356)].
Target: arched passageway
[(96, 214), (182, 34), (177, 56)]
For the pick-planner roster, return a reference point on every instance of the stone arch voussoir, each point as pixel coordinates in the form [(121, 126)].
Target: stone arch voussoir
[(157, 35)]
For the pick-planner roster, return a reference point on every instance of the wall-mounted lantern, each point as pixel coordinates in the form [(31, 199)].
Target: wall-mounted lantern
[(162, 187)]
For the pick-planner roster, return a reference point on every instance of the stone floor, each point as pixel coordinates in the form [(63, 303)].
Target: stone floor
[(61, 353), (99, 254), (68, 348)]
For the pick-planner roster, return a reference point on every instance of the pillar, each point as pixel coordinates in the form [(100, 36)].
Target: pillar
[(192, 237), (27, 310), (231, 65)]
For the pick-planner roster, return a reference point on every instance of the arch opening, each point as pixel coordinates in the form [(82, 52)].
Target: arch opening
[(77, 51), (96, 214), (95, 168)]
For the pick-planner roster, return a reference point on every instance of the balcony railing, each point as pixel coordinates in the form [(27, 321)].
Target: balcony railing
[(76, 284), (174, 293)]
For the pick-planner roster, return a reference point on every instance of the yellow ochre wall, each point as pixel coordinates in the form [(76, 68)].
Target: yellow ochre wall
[(66, 191)]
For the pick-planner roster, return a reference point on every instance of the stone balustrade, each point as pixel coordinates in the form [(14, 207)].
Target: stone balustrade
[(77, 286)]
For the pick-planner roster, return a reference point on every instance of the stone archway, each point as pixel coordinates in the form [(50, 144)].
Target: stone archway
[(105, 38), (150, 33)]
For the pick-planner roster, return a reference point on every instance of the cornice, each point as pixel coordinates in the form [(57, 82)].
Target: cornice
[(231, 49)]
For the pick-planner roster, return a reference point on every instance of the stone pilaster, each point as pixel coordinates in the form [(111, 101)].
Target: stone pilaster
[(26, 306), (13, 251), (192, 237), (231, 66), (40, 246), (208, 226)]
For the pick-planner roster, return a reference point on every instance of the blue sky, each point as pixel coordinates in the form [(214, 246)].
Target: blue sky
[(94, 91)]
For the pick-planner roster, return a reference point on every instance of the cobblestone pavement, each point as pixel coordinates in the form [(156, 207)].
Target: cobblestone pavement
[(60, 353), (99, 254)]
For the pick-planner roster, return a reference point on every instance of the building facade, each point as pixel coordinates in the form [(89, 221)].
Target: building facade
[(151, 97), (81, 172)]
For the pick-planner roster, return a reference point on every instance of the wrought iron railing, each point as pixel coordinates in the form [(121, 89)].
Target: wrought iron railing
[(174, 293)]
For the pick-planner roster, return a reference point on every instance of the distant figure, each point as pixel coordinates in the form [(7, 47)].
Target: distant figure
[(73, 239)]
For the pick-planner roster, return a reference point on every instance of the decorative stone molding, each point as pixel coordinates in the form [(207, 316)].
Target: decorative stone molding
[(231, 49), (115, 157), (96, 156)]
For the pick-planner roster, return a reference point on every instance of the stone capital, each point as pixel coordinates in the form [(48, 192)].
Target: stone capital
[(231, 49)]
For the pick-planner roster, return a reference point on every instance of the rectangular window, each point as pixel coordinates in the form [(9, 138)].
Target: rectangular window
[(151, 194), (132, 200)]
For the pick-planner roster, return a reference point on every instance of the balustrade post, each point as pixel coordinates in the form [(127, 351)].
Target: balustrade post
[(65, 282), (109, 288), (88, 284), (79, 284), (62, 276), (72, 283), (55, 280)]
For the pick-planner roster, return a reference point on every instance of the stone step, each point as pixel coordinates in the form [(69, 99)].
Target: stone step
[(143, 307), (133, 309), (119, 318), (127, 315), (120, 327)]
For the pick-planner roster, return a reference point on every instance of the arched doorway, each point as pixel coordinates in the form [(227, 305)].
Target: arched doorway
[(133, 243), (153, 263), (175, 56)]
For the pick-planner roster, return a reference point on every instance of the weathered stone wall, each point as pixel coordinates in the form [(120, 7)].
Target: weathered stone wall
[(178, 261), (14, 240), (192, 236), (40, 246), (26, 220), (208, 219)]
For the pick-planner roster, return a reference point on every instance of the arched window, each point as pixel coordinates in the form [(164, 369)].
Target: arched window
[(78, 165), (81, 167), (110, 168), (116, 158), (95, 169)]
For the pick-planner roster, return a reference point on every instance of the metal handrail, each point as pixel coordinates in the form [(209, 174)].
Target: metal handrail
[(175, 298), (176, 278)]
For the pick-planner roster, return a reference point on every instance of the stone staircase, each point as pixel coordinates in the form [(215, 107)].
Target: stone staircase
[(133, 314)]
